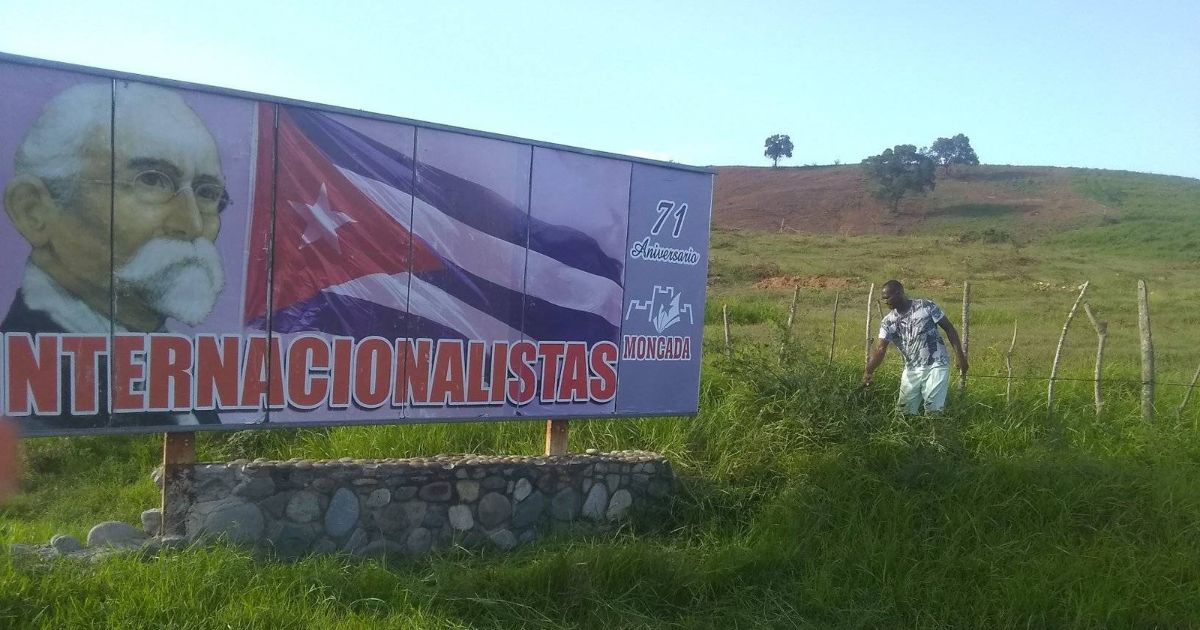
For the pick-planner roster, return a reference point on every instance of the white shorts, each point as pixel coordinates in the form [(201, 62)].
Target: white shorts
[(924, 384)]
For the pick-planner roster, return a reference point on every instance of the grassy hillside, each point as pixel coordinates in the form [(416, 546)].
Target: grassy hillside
[(805, 502)]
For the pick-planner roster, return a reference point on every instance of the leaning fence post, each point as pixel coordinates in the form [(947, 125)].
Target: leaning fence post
[(1101, 337), (867, 347), (725, 317), (833, 338), (1062, 340), (1008, 365), (1147, 353), (791, 320), (966, 334), (1187, 397)]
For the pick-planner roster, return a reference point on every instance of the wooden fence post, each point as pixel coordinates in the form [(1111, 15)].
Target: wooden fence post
[(870, 302), (725, 317), (966, 335), (790, 321), (556, 437), (1147, 353), (1187, 397), (1101, 337), (833, 338), (179, 452), (1062, 339), (1008, 366)]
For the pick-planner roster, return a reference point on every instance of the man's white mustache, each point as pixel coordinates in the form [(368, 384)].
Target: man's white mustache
[(180, 279)]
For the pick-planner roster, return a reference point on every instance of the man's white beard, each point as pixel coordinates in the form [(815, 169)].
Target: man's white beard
[(179, 279)]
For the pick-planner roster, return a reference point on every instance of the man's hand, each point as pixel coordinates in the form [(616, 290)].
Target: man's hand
[(867, 379), (962, 364)]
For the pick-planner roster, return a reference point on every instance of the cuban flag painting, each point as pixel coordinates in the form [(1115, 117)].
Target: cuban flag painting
[(366, 228)]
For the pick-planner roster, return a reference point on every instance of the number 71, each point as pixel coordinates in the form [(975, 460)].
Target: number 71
[(664, 210)]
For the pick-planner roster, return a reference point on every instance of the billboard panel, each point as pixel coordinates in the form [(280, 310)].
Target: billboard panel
[(575, 277), (667, 266), (272, 262), (343, 252)]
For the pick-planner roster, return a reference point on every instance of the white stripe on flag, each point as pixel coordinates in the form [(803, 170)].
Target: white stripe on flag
[(428, 301), (497, 260)]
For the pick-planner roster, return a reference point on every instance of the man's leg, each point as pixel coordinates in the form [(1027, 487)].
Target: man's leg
[(910, 391), (937, 383)]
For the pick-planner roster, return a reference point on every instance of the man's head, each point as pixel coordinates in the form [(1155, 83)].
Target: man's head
[(893, 295), (157, 193)]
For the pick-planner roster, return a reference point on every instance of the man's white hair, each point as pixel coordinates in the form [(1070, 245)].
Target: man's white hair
[(53, 147)]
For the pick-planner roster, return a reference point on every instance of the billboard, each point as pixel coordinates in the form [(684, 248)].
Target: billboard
[(175, 257)]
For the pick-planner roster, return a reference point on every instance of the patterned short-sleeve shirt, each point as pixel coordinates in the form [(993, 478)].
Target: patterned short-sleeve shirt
[(915, 333)]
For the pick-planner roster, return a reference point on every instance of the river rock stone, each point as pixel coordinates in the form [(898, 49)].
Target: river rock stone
[(419, 541), (304, 507), (528, 511), (355, 541), (236, 520), (380, 548), (65, 544), (460, 518), (152, 521), (342, 514), (256, 487), (522, 489), (468, 490), (292, 540), (503, 539), (379, 498), (619, 505), (494, 509), (115, 534), (565, 505), (436, 491), (596, 502)]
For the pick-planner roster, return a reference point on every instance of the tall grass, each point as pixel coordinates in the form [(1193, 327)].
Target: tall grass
[(805, 502)]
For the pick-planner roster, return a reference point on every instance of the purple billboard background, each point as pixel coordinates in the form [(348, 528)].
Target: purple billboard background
[(472, 202), (472, 239), (589, 195), (666, 278)]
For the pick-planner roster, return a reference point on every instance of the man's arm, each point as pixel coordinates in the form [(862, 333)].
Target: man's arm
[(952, 335), (873, 362)]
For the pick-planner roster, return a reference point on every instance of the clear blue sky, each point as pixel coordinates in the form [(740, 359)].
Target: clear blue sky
[(1093, 83)]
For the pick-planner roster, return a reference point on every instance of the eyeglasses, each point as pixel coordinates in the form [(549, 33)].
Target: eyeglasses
[(154, 186)]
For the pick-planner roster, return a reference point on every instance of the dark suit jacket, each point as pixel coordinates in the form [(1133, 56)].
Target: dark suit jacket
[(21, 318)]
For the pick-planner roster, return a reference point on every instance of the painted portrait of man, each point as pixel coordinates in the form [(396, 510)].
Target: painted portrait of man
[(119, 193)]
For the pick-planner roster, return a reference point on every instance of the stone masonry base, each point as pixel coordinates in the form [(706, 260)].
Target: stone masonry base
[(409, 506)]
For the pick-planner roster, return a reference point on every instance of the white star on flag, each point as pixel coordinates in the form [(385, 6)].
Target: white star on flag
[(321, 221)]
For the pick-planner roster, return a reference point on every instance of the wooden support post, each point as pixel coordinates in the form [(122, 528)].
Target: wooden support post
[(1187, 397), (725, 317), (833, 338), (966, 335), (1062, 340), (179, 452), (1008, 366), (791, 320), (556, 437), (1147, 353), (1101, 337), (870, 303)]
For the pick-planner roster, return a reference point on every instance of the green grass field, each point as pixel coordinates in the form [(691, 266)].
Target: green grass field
[(805, 502)]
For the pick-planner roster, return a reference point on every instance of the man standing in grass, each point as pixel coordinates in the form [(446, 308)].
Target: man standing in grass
[(912, 326)]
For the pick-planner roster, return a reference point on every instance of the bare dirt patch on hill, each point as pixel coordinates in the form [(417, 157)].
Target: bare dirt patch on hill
[(836, 200), (807, 282)]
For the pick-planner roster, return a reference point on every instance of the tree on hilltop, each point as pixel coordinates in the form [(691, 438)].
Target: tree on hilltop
[(778, 146), (956, 150), (897, 172)]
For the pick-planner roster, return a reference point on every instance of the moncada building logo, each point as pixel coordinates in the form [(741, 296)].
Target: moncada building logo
[(663, 310)]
